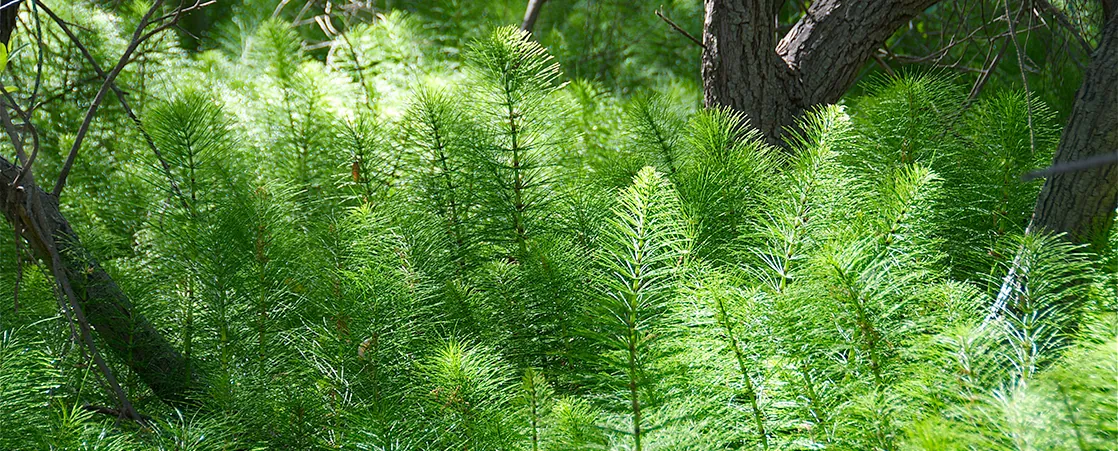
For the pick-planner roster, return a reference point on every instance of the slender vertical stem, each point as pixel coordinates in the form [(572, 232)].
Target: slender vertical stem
[(1024, 76), (632, 300), (750, 390), (518, 185), (534, 400)]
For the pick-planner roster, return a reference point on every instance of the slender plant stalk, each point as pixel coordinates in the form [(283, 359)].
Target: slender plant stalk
[(750, 391)]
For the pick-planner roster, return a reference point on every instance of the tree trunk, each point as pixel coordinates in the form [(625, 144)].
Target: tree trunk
[(35, 214), (774, 83), (9, 16), (531, 14), (1082, 203)]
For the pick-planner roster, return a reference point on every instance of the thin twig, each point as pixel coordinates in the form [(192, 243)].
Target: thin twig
[(174, 17), (30, 127), (66, 88), (39, 58), (1024, 77), (1063, 20), (10, 129), (142, 419), (881, 62), (986, 74), (680, 30), (938, 55), (137, 39), (1071, 166), (123, 102)]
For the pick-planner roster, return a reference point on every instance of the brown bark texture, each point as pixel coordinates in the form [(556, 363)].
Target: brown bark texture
[(1082, 203), (773, 82), (34, 213)]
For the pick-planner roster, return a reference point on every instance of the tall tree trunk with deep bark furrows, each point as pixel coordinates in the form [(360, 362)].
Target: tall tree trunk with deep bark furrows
[(1082, 203), (35, 214), (774, 82)]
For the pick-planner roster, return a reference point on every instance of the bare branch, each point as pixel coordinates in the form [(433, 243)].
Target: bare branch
[(987, 72), (174, 17), (13, 134), (1063, 20), (94, 299), (137, 39), (30, 127), (531, 14), (1078, 165), (885, 66), (34, 221), (123, 101), (660, 14), (116, 413), (1024, 75)]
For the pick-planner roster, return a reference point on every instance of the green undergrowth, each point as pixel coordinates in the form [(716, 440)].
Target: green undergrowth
[(388, 249)]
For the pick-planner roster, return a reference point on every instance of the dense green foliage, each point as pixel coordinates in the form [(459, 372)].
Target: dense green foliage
[(399, 246)]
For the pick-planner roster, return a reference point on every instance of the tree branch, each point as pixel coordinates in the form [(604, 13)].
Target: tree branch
[(531, 14), (120, 97), (679, 29), (815, 63), (1063, 20), (84, 128), (35, 214), (93, 299), (33, 220), (831, 43)]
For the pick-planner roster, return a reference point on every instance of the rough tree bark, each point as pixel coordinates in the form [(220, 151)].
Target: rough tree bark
[(531, 14), (745, 68), (107, 309), (1082, 203)]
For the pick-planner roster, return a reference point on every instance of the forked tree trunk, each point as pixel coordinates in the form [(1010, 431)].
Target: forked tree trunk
[(1082, 202), (774, 82), (35, 215)]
